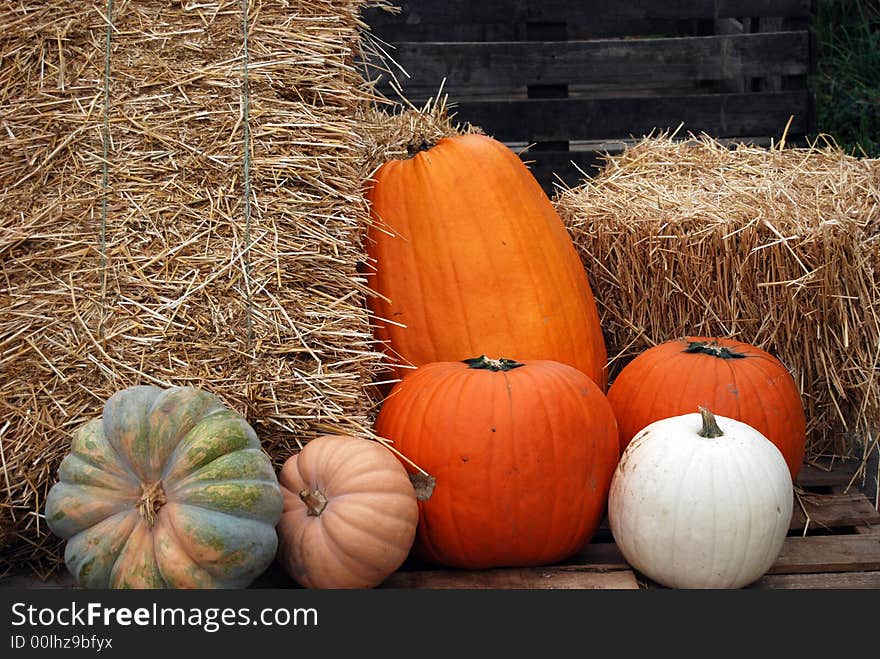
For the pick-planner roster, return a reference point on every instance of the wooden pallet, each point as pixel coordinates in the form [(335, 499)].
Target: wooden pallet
[(567, 75), (833, 542)]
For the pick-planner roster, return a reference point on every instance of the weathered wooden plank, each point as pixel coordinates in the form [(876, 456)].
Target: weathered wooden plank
[(827, 475), (801, 555), (551, 577), (597, 565), (732, 80), (599, 555), (828, 511), (828, 553), (631, 10), (518, 31), (562, 168), (773, 82), (431, 20), (836, 580), (720, 115), (602, 61), (544, 32)]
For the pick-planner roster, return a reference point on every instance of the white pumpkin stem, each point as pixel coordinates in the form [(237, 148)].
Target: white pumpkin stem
[(710, 427), (315, 501), (152, 498)]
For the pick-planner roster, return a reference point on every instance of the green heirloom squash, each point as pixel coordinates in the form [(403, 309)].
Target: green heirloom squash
[(168, 489)]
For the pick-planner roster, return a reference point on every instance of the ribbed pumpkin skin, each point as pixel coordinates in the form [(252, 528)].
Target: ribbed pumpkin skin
[(212, 524), (691, 511), (665, 381), (479, 262), (523, 460), (367, 527)]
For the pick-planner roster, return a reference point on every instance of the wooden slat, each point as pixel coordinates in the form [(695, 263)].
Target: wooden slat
[(837, 580), (827, 475), (518, 31), (440, 20), (614, 62), (598, 565), (773, 82), (825, 553), (600, 555), (633, 10), (732, 80), (555, 577), (616, 575), (548, 167), (828, 553), (829, 511), (826, 511), (720, 115)]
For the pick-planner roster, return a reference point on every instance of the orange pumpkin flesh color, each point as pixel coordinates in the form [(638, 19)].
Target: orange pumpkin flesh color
[(471, 257), (350, 513), (522, 455), (731, 378)]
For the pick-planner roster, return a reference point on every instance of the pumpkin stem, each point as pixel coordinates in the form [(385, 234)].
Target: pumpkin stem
[(423, 483), (710, 427), (712, 348), (417, 147), (152, 498), (315, 501), (485, 363)]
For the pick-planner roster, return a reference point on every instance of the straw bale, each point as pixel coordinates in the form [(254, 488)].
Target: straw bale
[(777, 247), (182, 258)]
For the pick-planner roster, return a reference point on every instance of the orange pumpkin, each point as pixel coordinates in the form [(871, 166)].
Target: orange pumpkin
[(522, 455), (731, 378), (470, 257), (350, 513)]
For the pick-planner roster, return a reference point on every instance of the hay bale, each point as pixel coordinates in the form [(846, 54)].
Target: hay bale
[(178, 210), (777, 247)]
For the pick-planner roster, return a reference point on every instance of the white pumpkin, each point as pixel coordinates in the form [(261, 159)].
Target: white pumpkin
[(699, 501)]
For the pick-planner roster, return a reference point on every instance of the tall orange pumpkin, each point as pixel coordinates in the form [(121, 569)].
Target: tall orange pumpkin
[(731, 378), (522, 455), (471, 258)]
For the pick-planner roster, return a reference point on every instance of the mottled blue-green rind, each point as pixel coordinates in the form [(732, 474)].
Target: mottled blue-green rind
[(248, 546), (225, 495)]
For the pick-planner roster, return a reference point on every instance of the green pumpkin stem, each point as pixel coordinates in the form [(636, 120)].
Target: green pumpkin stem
[(712, 348), (152, 499), (485, 363), (710, 427), (315, 501)]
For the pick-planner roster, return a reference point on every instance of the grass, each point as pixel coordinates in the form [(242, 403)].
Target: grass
[(847, 82)]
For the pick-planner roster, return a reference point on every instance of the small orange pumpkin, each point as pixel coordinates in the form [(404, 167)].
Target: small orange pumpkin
[(471, 257), (350, 513), (522, 456), (731, 378)]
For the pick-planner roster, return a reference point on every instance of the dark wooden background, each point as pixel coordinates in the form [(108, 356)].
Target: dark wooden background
[(574, 79)]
